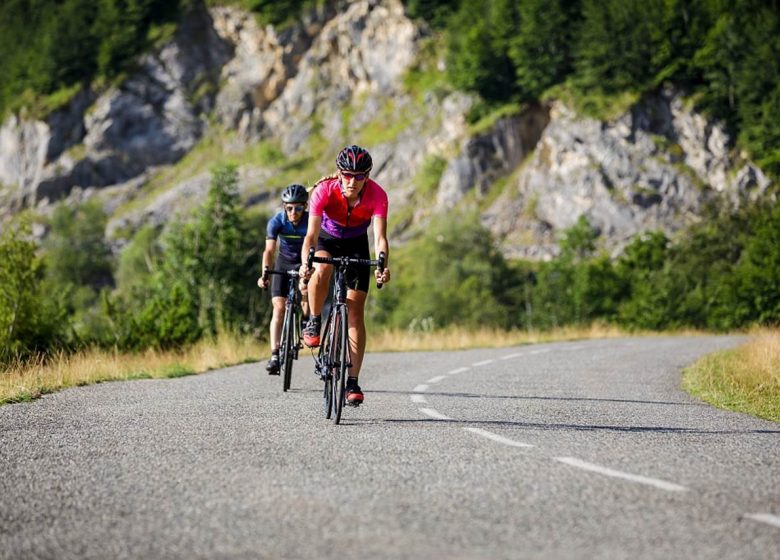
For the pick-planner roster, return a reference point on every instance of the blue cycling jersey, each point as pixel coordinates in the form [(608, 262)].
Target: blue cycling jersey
[(289, 235)]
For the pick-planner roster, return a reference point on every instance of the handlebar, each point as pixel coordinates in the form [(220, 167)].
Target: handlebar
[(269, 271), (348, 261)]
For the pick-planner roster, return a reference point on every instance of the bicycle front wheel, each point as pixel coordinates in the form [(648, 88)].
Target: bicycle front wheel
[(323, 368), (287, 345), (340, 362)]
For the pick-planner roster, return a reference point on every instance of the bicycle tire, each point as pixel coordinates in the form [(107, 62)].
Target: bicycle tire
[(323, 365), (287, 341), (341, 338)]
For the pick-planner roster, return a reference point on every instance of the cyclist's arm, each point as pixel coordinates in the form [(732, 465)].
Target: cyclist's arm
[(268, 261), (269, 253), (380, 239), (312, 234)]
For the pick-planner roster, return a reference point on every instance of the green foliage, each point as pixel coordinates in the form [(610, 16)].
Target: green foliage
[(479, 35), (758, 273), (76, 249), (454, 274), (542, 48), (197, 280), (79, 266), (31, 317), (435, 12)]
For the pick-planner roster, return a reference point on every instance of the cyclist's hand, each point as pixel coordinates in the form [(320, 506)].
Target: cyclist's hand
[(305, 272), (262, 282), (382, 277)]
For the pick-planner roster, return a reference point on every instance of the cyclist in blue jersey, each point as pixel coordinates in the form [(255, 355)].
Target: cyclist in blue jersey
[(289, 227)]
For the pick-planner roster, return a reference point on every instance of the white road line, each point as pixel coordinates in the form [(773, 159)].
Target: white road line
[(498, 438), (767, 518), (483, 363), (434, 414), (419, 399), (420, 389), (511, 356), (539, 351), (662, 484), (436, 379), (458, 370)]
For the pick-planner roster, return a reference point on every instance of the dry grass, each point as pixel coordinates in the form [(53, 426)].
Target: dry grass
[(456, 338), (28, 380), (745, 380)]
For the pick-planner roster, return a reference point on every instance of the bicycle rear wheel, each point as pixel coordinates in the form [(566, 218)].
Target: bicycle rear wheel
[(341, 362), (287, 352)]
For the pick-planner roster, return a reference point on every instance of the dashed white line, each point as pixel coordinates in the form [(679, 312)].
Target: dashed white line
[(511, 356), (434, 414), (539, 351), (767, 518), (419, 399), (458, 370), (437, 379), (662, 484), (497, 438), (420, 389), (483, 363)]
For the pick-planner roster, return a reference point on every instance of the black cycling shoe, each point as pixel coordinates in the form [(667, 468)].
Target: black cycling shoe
[(272, 367)]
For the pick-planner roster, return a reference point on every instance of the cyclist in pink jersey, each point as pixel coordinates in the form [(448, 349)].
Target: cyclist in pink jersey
[(341, 208)]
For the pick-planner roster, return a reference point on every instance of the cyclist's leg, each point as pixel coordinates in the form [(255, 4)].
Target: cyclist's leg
[(356, 304), (318, 293), (276, 322), (318, 285)]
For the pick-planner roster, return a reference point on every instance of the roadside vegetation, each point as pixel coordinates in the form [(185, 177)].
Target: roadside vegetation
[(746, 379)]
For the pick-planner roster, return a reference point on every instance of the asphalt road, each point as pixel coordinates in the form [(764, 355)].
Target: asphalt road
[(565, 450)]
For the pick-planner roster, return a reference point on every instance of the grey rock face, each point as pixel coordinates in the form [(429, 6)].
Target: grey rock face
[(486, 157), (653, 168), (363, 50)]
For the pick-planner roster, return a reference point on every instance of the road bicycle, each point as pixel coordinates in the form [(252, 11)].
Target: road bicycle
[(291, 326), (333, 359)]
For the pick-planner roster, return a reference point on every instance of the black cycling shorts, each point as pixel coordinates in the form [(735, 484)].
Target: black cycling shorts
[(281, 284), (357, 247)]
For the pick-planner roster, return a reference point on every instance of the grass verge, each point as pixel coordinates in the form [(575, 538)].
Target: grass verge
[(29, 380), (457, 338), (746, 379)]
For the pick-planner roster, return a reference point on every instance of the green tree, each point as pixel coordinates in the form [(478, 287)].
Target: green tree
[(479, 37), (541, 50), (617, 44), (31, 319), (77, 252), (758, 273)]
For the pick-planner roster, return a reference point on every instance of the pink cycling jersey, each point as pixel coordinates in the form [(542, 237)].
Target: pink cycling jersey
[(338, 219)]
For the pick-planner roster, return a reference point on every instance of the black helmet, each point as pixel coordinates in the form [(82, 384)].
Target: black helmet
[(354, 159), (295, 193)]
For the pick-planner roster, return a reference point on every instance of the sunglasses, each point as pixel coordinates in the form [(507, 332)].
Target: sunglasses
[(296, 208), (355, 176)]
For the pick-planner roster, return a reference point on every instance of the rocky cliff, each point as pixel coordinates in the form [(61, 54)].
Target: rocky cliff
[(281, 103)]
